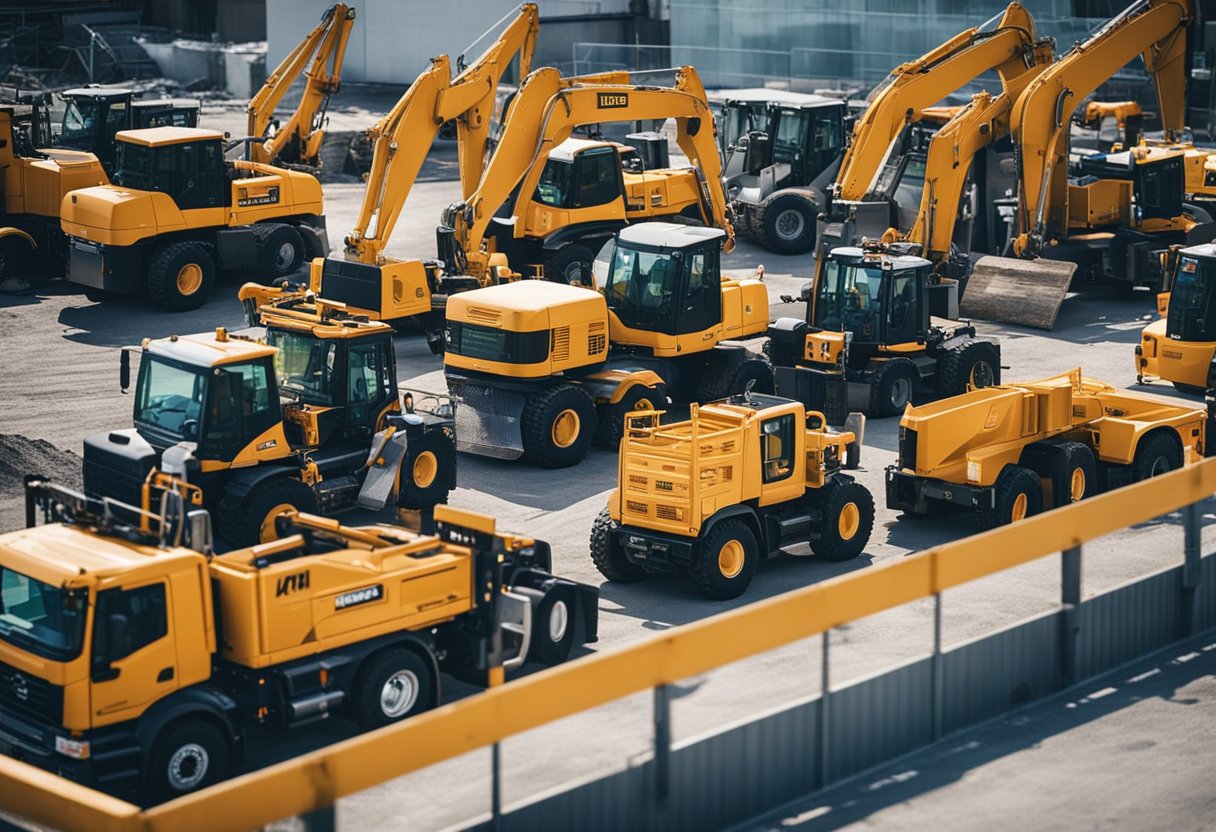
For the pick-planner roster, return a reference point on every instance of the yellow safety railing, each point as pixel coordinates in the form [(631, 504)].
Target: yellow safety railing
[(316, 780)]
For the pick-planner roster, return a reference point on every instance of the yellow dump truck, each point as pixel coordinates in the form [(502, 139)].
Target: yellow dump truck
[(135, 661), (734, 483), (1009, 451)]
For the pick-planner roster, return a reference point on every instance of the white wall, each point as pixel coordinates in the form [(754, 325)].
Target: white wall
[(393, 40)]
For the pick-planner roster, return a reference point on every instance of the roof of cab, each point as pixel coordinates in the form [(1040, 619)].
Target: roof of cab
[(152, 136), (780, 97), (59, 553), (520, 296), (898, 261), (566, 151), (669, 234), (208, 349)]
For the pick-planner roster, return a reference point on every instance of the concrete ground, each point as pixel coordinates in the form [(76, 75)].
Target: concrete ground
[(1130, 750), (61, 382)]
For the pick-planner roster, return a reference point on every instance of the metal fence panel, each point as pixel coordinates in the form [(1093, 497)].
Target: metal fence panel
[(621, 800), (1129, 621), (1205, 608), (986, 677), (879, 718)]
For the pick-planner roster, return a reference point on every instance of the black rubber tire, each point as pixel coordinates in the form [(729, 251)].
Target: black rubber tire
[(201, 745), (543, 647), (536, 426), (956, 366), (437, 449), (280, 250), (713, 382), (706, 573), (570, 264), (757, 370), (1157, 453), (374, 676), (726, 374), (886, 396), (608, 557), (312, 246), (832, 501), (15, 256), (1012, 482), (1074, 457), (247, 525), (777, 213), (610, 425), (164, 268)]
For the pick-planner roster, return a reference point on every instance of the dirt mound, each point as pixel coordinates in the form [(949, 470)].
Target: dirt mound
[(20, 455)]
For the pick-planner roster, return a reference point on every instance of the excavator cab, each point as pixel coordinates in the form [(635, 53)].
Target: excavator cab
[(1192, 300), (877, 299), (188, 165), (93, 117)]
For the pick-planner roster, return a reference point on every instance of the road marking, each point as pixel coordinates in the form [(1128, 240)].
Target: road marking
[(1145, 675)]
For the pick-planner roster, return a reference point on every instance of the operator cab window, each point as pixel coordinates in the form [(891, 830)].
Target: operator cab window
[(848, 298), (641, 287), (368, 381), (702, 304), (599, 179), (791, 132), (1192, 313), (144, 610), (554, 183), (240, 409), (777, 447)]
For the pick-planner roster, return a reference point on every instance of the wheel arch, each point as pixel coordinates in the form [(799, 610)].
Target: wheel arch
[(8, 232), (743, 512), (192, 703), (405, 642)]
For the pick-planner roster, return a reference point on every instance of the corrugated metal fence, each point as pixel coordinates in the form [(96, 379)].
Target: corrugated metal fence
[(751, 768)]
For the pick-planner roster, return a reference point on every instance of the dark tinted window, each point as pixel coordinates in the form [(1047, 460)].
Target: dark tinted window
[(554, 183), (599, 180), (777, 447), (147, 620), (1192, 313), (239, 409)]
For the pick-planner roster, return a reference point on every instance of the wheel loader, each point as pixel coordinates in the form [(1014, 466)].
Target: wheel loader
[(308, 417), (736, 482), (1010, 451), (1180, 346), (880, 328), (149, 666), (543, 369)]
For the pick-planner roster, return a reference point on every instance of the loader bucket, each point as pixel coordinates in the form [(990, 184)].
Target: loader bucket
[(488, 420), (1013, 291)]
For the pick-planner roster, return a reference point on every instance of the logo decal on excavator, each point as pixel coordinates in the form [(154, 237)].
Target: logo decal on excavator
[(611, 100), (291, 583), (271, 197), (359, 596)]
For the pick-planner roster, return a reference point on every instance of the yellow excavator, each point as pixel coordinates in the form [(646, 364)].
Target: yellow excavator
[(1180, 346), (1112, 220), (297, 142)]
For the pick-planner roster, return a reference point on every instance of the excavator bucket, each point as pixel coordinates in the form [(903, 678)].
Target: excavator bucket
[(1013, 291), (383, 463), (490, 424)]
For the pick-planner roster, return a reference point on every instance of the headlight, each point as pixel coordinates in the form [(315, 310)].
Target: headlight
[(76, 749), (973, 471)]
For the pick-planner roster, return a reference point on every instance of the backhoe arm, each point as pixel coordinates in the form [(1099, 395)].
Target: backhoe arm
[(545, 112), (1040, 120), (1012, 49), (299, 139)]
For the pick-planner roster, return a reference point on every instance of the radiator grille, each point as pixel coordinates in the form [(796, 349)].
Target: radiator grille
[(30, 695), (559, 346), (597, 338)]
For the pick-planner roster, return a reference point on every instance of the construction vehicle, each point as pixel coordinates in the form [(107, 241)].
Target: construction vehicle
[(1110, 226), (1180, 346), (1108, 125), (36, 177), (541, 369), (546, 206), (734, 483), (137, 662), (783, 150), (308, 417), (296, 143), (880, 325), (363, 277), (178, 210), (1007, 452), (94, 116)]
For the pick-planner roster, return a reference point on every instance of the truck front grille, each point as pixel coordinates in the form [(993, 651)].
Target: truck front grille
[(30, 696)]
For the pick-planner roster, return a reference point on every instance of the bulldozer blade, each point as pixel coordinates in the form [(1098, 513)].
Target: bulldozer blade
[(488, 421), (381, 479), (1013, 291)]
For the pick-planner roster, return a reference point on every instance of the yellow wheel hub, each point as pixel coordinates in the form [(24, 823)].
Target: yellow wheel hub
[(266, 531), (189, 279), (426, 468), (730, 559), (565, 428), (849, 521), (1019, 508), (1076, 486)]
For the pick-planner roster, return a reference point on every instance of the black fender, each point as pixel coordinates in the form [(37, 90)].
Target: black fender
[(200, 701), (580, 231), (748, 515), (240, 482), (586, 599)]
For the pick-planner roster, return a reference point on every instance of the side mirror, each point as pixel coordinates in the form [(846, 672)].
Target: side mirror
[(124, 370), (805, 293)]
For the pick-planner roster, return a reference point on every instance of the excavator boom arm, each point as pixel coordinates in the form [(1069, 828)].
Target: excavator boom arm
[(328, 41)]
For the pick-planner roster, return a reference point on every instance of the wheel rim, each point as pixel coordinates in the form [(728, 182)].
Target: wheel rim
[(399, 694), (266, 531), (790, 224), (1020, 504), (981, 375), (901, 393), (1076, 485), (565, 428), (426, 468), (1161, 465), (188, 766), (730, 559), (559, 619), (849, 521), (285, 256), (189, 279)]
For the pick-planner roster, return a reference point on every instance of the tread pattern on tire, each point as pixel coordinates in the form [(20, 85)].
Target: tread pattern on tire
[(535, 427), (954, 365), (155, 282), (704, 567), (841, 490), (1011, 480), (266, 495), (611, 566), (889, 370)]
